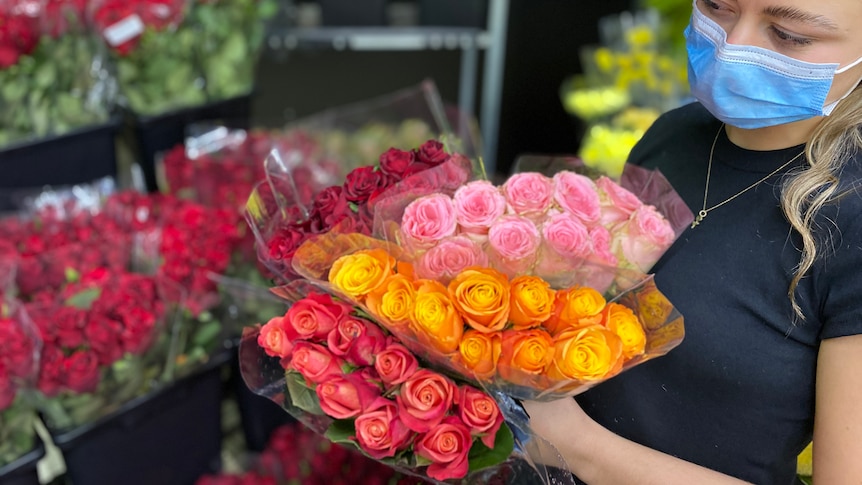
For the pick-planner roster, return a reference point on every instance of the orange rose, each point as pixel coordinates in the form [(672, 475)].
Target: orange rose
[(481, 295), (577, 306), (434, 317), (479, 352), (393, 300), (524, 353), (532, 301), (362, 272), (588, 353), (622, 321)]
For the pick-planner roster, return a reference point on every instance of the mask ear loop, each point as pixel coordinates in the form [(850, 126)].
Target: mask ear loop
[(827, 110)]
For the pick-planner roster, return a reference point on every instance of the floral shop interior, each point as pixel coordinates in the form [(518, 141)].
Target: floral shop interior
[(392, 194)]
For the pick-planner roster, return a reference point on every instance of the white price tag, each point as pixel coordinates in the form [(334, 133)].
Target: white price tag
[(124, 30)]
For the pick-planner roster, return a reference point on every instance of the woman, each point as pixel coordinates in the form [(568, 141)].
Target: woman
[(770, 160)]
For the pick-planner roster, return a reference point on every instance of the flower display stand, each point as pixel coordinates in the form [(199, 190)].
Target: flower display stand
[(170, 437)]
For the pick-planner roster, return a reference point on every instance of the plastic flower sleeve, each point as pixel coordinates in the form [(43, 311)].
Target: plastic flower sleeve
[(630, 323), (520, 458), (20, 347)]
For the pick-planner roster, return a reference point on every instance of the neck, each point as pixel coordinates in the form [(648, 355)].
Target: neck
[(773, 137)]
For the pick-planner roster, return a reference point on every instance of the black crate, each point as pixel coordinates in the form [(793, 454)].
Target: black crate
[(76, 157), (23, 470), (170, 437), (153, 135)]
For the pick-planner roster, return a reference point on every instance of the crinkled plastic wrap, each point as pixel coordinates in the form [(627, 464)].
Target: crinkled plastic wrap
[(54, 75), (532, 461), (356, 134)]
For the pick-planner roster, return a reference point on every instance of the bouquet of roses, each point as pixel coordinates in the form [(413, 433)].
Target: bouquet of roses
[(229, 38), (19, 362), (51, 69), (100, 350), (154, 57), (347, 378), (281, 222)]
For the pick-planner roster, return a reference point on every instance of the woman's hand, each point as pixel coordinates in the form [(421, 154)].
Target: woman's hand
[(563, 423)]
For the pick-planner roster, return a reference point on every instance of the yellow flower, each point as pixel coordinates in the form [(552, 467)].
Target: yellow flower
[(532, 301), (576, 307), (435, 319), (393, 300), (481, 296), (362, 272), (589, 353), (479, 352), (622, 321)]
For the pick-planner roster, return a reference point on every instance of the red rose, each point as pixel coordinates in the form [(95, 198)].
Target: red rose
[(273, 339), (425, 399), (283, 246), (314, 317), (326, 201), (82, 371), (103, 336), (139, 332), (7, 389), (379, 432), (314, 362), (432, 152), (69, 327), (346, 396), (357, 339), (480, 413), (395, 162), (395, 364), (361, 182), (17, 349), (447, 446)]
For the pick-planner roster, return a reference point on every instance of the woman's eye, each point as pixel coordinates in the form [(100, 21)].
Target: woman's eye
[(711, 5), (788, 38)]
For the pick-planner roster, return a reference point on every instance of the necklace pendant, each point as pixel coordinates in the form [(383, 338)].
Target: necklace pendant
[(697, 220)]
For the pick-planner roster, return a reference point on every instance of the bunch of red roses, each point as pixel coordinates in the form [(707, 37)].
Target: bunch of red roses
[(347, 207), (19, 33), (122, 22), (98, 338), (380, 399)]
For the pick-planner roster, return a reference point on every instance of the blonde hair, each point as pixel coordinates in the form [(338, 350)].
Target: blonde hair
[(832, 144)]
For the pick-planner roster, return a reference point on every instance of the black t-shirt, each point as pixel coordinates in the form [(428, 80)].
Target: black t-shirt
[(737, 395)]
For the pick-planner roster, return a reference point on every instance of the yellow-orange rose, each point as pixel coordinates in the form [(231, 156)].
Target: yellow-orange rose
[(524, 353), (622, 321), (480, 352), (435, 319), (481, 295), (532, 301), (577, 306), (362, 272), (588, 353), (393, 300)]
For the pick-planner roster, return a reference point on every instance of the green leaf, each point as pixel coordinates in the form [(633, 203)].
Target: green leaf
[(481, 456), (353, 206), (207, 333), (84, 299), (341, 431), (72, 276), (301, 395)]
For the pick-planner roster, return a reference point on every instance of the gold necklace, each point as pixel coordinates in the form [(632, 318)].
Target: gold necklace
[(701, 215)]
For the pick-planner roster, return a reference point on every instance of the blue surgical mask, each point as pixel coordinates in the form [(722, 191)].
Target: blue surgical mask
[(751, 87)]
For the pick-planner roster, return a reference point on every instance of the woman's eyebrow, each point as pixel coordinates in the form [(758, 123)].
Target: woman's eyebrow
[(796, 15)]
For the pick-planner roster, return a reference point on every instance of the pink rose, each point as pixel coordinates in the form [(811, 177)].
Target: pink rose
[(447, 446), (357, 340), (448, 258), (515, 240), (273, 339), (567, 236), (645, 238), (428, 220), (315, 362), (577, 195), (477, 205), (395, 364), (617, 203), (379, 431), (346, 396), (425, 399), (313, 317), (480, 413), (528, 194)]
